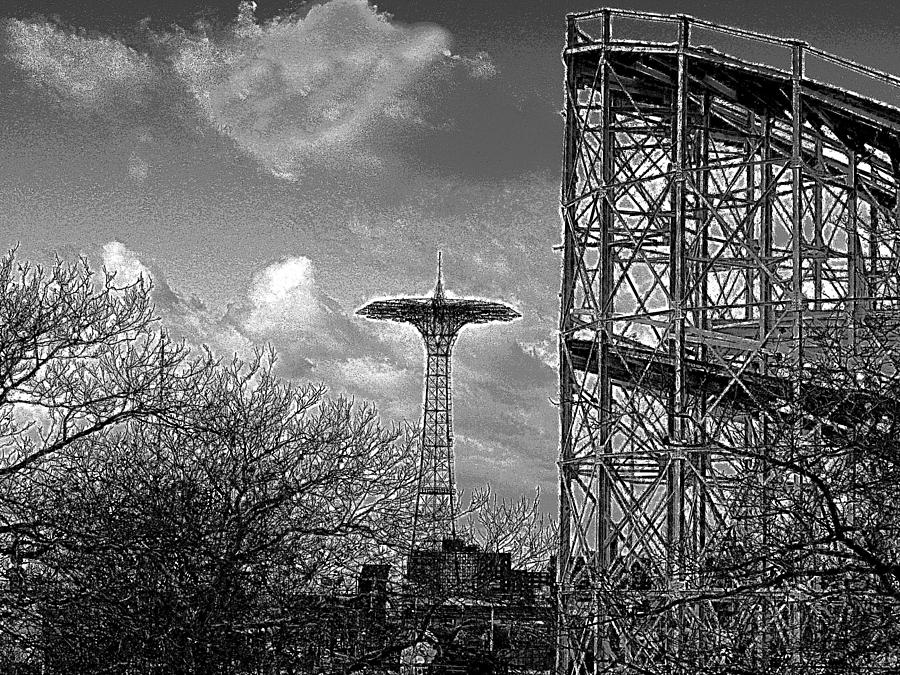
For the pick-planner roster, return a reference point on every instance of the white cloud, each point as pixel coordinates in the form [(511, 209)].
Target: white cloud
[(189, 319), (315, 337), (481, 67), (200, 327), (401, 339), (369, 374), (546, 351), (124, 262), (283, 298), (294, 93), (284, 89), (139, 162), (83, 73), (138, 167)]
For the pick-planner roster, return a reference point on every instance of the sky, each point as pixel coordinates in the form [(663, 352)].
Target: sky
[(274, 167)]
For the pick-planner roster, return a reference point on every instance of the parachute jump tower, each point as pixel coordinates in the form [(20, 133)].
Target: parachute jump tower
[(439, 320)]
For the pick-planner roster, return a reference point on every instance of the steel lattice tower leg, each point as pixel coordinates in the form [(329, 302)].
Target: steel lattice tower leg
[(435, 516)]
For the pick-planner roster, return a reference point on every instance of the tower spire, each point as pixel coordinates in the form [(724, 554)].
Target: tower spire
[(439, 285)]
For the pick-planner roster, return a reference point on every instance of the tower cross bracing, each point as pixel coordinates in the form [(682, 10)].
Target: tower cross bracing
[(723, 217), (439, 320)]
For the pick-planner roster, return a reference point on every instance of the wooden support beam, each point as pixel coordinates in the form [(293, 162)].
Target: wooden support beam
[(797, 201)]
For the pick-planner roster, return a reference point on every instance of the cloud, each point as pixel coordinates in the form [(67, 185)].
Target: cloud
[(295, 94), (374, 378), (138, 167), (546, 351), (316, 337), (282, 305), (285, 304), (282, 298), (83, 73), (502, 398), (479, 67), (300, 85), (187, 318), (125, 263)]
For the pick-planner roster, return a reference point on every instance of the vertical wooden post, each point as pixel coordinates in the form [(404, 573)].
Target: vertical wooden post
[(602, 448), (566, 390), (605, 301), (874, 246), (818, 215), (797, 211), (854, 268), (703, 301), (749, 275), (797, 303), (766, 318), (678, 432)]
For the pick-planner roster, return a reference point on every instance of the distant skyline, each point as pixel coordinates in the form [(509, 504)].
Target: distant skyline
[(274, 168)]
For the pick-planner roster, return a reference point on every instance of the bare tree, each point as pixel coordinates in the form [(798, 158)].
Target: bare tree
[(519, 527), (80, 356), (824, 521), (204, 547)]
